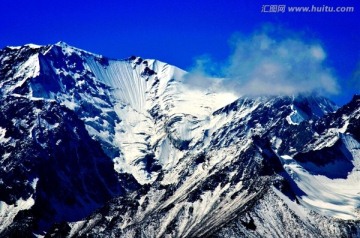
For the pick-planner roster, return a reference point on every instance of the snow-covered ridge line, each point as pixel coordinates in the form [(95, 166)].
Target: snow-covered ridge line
[(130, 89)]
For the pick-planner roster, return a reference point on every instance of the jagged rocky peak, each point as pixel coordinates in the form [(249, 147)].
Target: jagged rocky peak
[(92, 146), (61, 44)]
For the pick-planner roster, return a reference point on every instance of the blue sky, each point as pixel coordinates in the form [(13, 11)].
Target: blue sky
[(179, 32)]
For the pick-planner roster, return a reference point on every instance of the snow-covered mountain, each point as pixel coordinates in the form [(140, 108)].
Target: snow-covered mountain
[(92, 146)]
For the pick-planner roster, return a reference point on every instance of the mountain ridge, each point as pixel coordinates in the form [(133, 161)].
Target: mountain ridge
[(180, 161)]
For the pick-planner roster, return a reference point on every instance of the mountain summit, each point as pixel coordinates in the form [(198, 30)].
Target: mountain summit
[(92, 146)]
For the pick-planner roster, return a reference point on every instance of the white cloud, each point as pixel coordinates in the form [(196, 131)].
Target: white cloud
[(317, 52), (264, 65)]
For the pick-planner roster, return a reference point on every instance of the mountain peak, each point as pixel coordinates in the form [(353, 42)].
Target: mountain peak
[(356, 97), (61, 44), (33, 46)]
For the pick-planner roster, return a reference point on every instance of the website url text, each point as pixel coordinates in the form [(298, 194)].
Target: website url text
[(308, 9)]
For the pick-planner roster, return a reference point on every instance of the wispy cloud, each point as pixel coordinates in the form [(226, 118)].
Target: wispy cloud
[(265, 65)]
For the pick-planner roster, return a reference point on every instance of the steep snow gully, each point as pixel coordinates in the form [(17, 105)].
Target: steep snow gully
[(97, 147)]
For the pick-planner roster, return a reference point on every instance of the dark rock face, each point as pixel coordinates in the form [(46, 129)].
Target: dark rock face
[(50, 145), (332, 162)]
